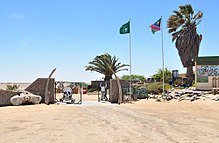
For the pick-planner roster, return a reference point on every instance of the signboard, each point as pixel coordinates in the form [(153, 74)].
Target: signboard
[(204, 71)]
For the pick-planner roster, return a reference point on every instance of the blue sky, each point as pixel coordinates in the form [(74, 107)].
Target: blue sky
[(39, 35)]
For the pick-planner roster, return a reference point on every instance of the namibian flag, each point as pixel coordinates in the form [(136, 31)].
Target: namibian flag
[(156, 26)]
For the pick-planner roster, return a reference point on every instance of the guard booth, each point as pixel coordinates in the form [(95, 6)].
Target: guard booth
[(207, 73)]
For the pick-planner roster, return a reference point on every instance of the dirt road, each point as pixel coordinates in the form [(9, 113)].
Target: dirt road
[(143, 121)]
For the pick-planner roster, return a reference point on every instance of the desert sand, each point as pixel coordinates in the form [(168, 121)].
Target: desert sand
[(144, 121)]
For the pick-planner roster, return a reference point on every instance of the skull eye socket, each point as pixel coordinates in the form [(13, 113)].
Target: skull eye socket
[(65, 92), (69, 93)]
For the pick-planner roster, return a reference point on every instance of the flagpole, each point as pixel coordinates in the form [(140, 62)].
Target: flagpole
[(130, 59), (162, 55)]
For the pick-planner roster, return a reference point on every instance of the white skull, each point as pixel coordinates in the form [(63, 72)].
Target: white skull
[(67, 93)]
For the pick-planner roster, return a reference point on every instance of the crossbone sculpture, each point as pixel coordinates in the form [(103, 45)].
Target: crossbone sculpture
[(25, 97)]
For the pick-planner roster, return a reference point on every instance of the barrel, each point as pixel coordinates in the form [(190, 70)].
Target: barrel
[(84, 90)]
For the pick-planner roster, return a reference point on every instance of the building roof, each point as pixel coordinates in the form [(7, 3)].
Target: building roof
[(207, 60)]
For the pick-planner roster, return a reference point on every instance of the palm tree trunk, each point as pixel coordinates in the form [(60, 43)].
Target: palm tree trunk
[(107, 78), (120, 89), (189, 74)]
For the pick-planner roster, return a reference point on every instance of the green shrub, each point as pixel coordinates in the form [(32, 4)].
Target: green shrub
[(91, 90), (193, 83), (157, 87), (139, 86), (12, 87)]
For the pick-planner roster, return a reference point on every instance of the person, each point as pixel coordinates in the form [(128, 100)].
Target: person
[(103, 91)]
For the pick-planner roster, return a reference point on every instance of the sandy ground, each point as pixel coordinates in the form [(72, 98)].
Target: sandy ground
[(144, 121)]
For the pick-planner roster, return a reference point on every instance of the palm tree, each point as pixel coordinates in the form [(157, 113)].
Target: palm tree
[(182, 25), (107, 65)]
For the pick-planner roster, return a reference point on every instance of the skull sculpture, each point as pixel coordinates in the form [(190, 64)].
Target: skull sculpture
[(67, 95)]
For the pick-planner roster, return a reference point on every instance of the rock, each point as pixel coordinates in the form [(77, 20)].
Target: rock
[(193, 98), (216, 99), (169, 97), (152, 96), (213, 97), (198, 93), (158, 99), (188, 98), (180, 93)]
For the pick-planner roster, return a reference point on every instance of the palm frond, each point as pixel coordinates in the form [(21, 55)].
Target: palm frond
[(171, 30), (197, 18), (106, 64), (177, 13)]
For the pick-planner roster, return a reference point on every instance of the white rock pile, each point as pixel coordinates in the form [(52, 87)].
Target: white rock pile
[(187, 94)]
